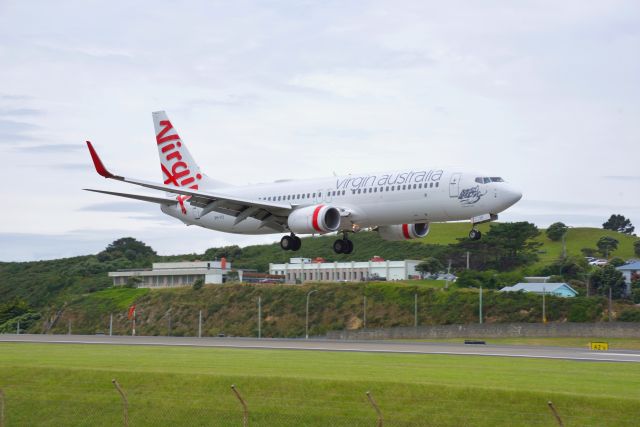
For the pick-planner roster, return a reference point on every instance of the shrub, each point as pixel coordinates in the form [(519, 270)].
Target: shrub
[(630, 315)]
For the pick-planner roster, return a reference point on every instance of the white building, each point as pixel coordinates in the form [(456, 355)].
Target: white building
[(304, 269), (175, 274)]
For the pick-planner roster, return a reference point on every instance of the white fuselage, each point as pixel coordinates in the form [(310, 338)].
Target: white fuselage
[(387, 198)]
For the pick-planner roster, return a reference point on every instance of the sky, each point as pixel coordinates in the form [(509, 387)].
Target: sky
[(542, 93)]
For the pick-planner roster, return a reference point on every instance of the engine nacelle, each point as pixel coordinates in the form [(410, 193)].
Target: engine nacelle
[(314, 219), (403, 231)]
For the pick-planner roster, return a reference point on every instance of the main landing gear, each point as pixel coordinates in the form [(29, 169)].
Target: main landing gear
[(343, 246), (475, 234), (290, 243)]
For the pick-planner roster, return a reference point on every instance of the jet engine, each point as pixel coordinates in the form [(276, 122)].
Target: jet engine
[(403, 231), (314, 219)]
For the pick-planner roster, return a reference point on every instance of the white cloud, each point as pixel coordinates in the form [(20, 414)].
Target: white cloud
[(543, 93)]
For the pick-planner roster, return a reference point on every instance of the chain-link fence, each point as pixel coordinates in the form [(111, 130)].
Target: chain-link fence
[(113, 405)]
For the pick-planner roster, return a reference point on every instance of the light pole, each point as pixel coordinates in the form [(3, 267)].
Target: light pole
[(480, 306), (306, 327)]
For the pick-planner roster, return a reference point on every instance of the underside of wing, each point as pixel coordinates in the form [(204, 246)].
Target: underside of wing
[(159, 200)]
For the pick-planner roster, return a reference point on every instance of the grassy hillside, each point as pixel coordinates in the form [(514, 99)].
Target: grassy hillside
[(48, 384), (232, 308), (368, 244)]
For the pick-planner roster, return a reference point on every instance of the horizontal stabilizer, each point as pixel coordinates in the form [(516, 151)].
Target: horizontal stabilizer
[(159, 200)]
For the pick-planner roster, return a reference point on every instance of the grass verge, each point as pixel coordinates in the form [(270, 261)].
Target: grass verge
[(48, 384)]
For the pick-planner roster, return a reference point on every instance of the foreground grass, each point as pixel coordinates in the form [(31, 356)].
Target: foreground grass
[(71, 385), (614, 343)]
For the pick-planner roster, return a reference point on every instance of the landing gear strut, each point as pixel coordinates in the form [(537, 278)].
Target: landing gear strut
[(343, 246), (475, 234), (290, 243)]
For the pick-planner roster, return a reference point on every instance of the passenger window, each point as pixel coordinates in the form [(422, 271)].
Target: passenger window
[(358, 191), (479, 180), (487, 180), (437, 184), (314, 194)]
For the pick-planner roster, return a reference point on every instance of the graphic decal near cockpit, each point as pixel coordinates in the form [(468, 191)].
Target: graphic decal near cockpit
[(470, 196)]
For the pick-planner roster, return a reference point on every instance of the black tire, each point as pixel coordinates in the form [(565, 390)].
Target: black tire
[(286, 243), (297, 243), (339, 246), (475, 234), (349, 247)]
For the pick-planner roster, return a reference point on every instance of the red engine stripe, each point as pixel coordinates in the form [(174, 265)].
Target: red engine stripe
[(405, 231), (314, 222)]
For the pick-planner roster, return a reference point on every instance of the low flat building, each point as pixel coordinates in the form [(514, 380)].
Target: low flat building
[(629, 271), (557, 289), (299, 270), (174, 274)]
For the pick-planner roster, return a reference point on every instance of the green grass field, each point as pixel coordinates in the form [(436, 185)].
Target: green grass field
[(614, 343), (47, 384)]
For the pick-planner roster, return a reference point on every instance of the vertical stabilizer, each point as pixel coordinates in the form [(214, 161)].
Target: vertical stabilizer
[(178, 166)]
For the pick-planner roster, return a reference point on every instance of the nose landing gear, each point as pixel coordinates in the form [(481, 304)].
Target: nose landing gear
[(290, 243), (475, 234)]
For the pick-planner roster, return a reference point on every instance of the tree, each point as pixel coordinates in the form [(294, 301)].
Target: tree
[(606, 278), (229, 252), (589, 252), (505, 246), (606, 245), (636, 247), (619, 223), (429, 265), (126, 247), (556, 231), (198, 284)]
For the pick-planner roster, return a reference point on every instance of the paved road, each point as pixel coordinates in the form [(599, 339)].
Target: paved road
[(333, 345)]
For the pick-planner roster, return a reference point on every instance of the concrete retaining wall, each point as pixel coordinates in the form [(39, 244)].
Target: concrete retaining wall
[(496, 330)]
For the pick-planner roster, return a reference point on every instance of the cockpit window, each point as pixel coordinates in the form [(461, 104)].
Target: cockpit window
[(487, 180)]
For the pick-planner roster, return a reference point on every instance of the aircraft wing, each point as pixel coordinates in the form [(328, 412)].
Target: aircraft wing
[(158, 200), (271, 214)]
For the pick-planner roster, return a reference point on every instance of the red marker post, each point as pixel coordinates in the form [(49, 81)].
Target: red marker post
[(132, 316)]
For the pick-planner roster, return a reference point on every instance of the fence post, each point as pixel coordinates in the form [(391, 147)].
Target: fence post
[(555, 413), (375, 406), (1, 408), (125, 402), (245, 411)]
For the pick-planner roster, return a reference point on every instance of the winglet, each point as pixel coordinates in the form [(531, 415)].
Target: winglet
[(98, 163)]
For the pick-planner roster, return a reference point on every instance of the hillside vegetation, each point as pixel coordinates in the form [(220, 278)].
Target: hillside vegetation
[(232, 309), (45, 295)]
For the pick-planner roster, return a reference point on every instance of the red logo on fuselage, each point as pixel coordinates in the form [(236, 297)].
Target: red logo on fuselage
[(176, 171)]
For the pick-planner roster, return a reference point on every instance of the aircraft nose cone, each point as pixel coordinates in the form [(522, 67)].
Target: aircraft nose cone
[(512, 195)]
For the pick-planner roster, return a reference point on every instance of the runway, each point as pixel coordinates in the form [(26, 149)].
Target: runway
[(335, 345)]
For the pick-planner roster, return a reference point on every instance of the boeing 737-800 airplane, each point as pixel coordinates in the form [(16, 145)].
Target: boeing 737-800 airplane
[(399, 205)]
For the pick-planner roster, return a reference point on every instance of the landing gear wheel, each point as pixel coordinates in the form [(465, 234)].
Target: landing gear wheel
[(290, 243), (297, 243), (349, 247), (286, 243), (475, 234), (343, 246)]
